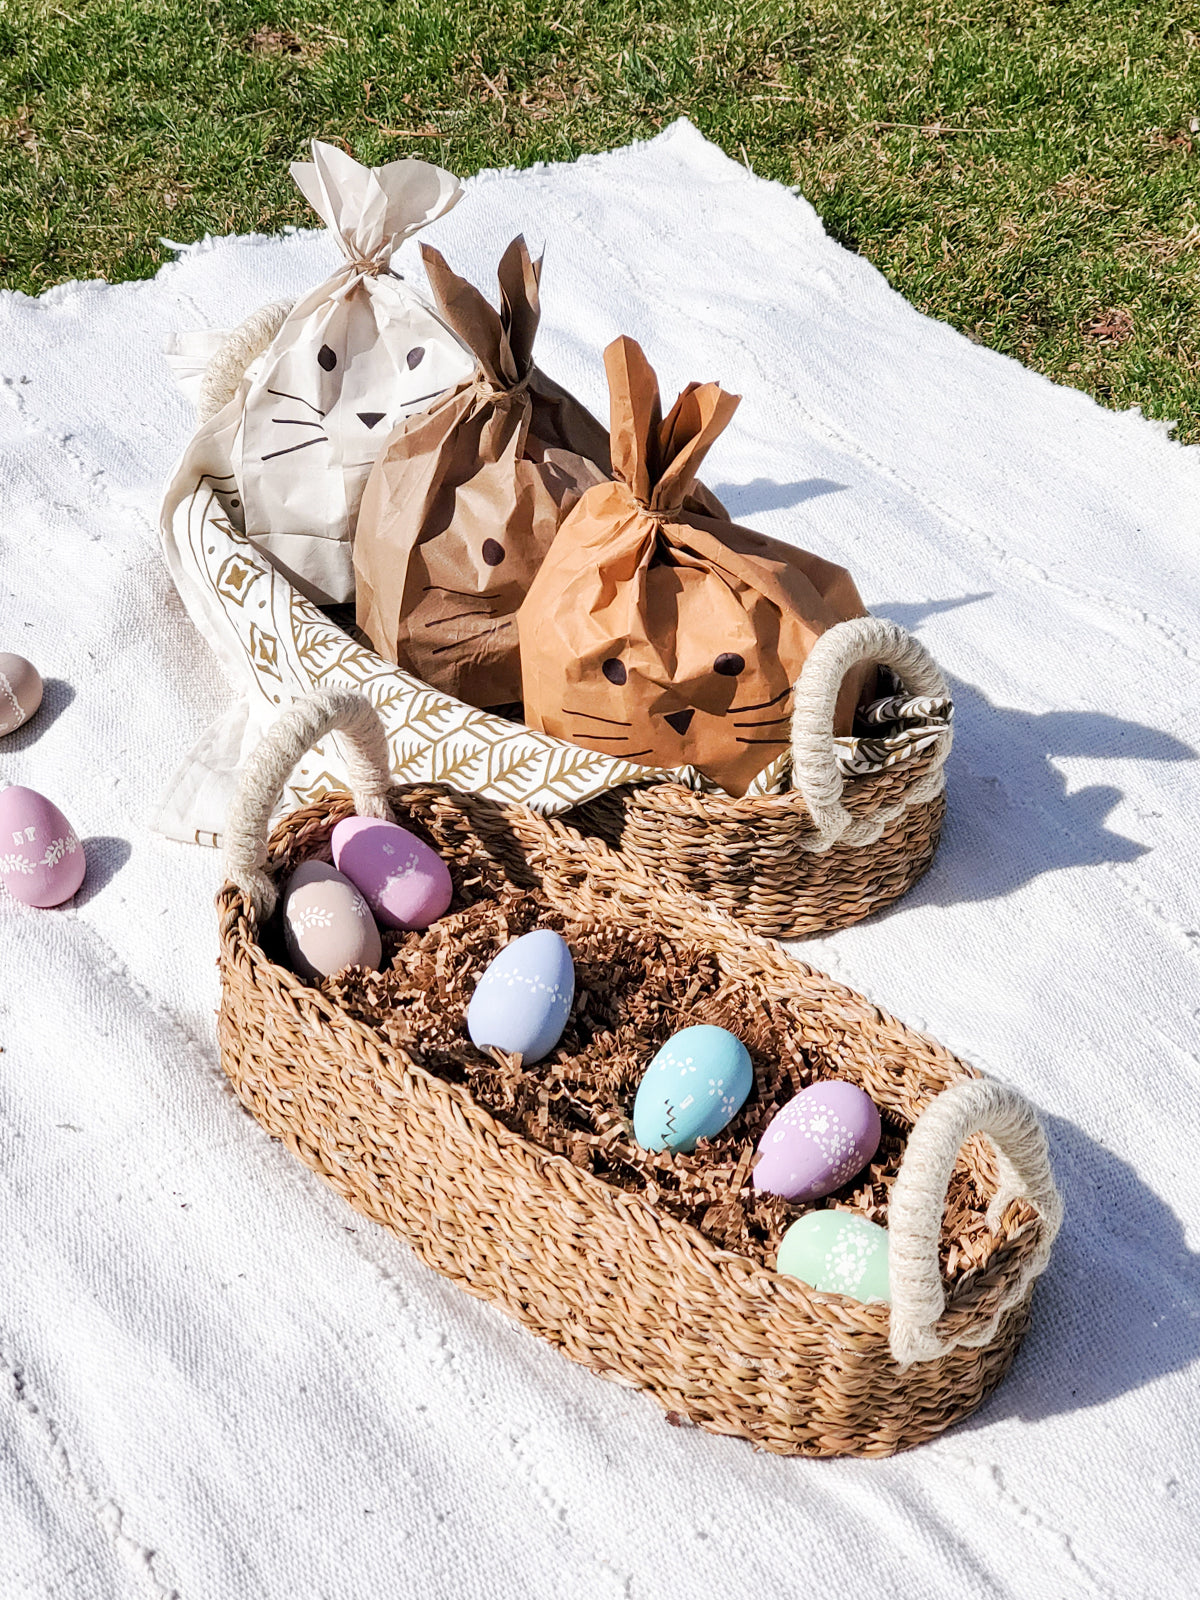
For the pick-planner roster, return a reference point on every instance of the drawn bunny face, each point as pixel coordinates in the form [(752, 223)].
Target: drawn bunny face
[(710, 689), (666, 717), (321, 403), (340, 397)]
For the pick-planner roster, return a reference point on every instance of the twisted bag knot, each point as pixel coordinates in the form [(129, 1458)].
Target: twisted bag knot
[(367, 267), (484, 389), (658, 515)]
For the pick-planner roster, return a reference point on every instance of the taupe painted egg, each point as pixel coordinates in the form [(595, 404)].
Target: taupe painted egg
[(20, 691), (327, 925)]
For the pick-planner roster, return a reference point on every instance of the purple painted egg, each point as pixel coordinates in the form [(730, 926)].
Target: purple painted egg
[(41, 859), (817, 1142), (403, 881), (327, 925), (20, 691)]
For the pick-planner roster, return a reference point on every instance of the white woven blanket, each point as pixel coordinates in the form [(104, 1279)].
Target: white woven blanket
[(216, 1382)]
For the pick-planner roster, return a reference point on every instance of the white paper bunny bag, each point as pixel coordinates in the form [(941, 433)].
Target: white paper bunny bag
[(349, 360)]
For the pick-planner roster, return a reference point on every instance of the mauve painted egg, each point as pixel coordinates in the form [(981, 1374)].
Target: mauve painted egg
[(20, 691), (522, 1001), (327, 925), (403, 881), (41, 859), (839, 1252), (694, 1087), (817, 1142)]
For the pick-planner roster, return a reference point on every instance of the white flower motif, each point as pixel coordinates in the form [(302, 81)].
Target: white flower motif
[(849, 1255), (16, 864)]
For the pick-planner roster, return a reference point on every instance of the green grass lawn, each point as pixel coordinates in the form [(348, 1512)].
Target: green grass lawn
[(1026, 171)]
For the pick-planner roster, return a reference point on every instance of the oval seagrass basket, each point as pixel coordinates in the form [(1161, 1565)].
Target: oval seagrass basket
[(615, 1281), (833, 847)]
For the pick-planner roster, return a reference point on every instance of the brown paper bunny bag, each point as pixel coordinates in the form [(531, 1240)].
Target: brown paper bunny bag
[(659, 634), (465, 498)]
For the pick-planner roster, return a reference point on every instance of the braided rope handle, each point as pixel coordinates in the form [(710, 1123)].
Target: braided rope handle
[(306, 722), (227, 367), (815, 773), (918, 1200)]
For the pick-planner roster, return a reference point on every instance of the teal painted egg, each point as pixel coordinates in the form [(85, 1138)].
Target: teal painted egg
[(694, 1087), (839, 1252)]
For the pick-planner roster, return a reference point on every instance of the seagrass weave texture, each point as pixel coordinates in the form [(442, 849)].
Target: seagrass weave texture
[(620, 1286)]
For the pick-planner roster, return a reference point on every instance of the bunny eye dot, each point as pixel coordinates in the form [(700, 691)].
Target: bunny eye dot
[(326, 358), (493, 552), (415, 356), (614, 670), (729, 664)]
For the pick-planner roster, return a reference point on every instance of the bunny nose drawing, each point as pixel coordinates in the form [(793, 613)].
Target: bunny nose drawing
[(681, 721), (370, 418)]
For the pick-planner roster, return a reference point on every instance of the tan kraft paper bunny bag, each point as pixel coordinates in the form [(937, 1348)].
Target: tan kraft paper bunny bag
[(664, 636), (465, 498)]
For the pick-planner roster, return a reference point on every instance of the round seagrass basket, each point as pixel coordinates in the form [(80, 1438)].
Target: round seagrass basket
[(616, 1282), (829, 850)]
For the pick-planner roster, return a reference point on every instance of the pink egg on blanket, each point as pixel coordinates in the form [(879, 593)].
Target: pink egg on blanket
[(405, 883), (818, 1141), (41, 859)]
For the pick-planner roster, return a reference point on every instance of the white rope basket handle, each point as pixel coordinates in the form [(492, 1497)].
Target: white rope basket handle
[(815, 773), (227, 367), (918, 1200), (305, 723)]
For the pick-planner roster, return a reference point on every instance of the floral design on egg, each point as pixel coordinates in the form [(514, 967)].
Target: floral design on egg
[(849, 1256), (302, 918), (58, 848)]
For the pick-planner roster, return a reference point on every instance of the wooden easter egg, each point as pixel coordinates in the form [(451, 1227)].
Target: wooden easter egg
[(405, 883), (20, 691), (522, 1001), (327, 925), (41, 858)]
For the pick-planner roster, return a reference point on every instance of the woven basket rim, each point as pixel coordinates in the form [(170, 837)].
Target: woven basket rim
[(668, 794)]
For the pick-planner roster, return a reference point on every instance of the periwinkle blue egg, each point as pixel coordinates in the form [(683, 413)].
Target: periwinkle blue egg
[(522, 1002), (694, 1087)]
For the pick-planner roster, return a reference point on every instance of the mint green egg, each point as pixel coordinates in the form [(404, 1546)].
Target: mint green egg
[(839, 1252)]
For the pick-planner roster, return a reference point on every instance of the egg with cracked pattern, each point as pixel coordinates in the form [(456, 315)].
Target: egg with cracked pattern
[(522, 1001), (839, 1252), (694, 1087), (821, 1139), (405, 883), (20, 691), (327, 925), (41, 859)]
